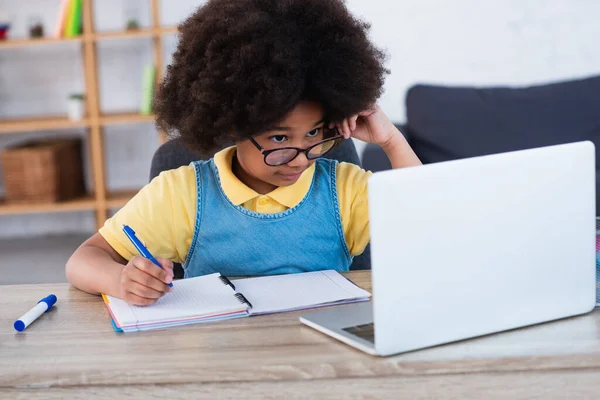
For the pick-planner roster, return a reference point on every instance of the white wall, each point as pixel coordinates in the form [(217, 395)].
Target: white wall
[(493, 42), (475, 42)]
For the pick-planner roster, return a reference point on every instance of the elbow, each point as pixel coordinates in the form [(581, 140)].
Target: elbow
[(73, 270), (70, 269)]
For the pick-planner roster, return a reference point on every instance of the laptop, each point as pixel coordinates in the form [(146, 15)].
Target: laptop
[(471, 247)]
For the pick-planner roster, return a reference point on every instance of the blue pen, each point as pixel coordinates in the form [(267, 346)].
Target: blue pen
[(41, 307), (130, 233)]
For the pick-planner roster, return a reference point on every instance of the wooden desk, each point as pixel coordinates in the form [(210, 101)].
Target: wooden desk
[(72, 351)]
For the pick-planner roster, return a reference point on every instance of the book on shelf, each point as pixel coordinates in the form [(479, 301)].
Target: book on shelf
[(73, 27), (69, 21), (148, 83), (63, 13)]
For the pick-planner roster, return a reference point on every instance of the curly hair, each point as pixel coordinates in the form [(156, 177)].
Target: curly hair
[(242, 65)]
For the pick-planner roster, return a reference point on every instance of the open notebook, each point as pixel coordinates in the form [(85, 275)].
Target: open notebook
[(214, 297)]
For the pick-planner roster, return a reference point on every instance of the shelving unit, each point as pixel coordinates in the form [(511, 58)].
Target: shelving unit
[(100, 200)]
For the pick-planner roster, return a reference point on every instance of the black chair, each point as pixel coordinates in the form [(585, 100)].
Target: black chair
[(173, 154)]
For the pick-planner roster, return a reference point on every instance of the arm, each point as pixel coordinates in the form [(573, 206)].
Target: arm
[(373, 126), (399, 152), (159, 215), (95, 267)]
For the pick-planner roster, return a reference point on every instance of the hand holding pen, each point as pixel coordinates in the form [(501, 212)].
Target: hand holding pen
[(144, 279)]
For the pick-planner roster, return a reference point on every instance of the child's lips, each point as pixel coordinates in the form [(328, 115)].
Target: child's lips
[(291, 177)]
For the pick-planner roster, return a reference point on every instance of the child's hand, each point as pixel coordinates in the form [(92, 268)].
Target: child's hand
[(143, 283), (371, 126)]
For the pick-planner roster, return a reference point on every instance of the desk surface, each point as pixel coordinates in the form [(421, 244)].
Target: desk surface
[(73, 349)]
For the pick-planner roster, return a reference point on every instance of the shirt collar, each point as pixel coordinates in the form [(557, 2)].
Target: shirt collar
[(238, 193)]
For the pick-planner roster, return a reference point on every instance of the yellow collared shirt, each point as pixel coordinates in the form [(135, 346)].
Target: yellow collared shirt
[(163, 213)]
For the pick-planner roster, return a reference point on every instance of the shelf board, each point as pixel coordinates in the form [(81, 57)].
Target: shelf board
[(40, 123), (25, 42), (126, 118), (119, 198), (84, 203), (132, 34), (115, 199), (167, 30), (62, 122)]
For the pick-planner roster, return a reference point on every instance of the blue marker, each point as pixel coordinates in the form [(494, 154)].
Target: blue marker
[(130, 233), (41, 307)]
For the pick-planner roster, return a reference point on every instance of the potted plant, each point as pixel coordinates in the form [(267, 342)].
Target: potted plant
[(36, 27), (76, 107), (132, 18)]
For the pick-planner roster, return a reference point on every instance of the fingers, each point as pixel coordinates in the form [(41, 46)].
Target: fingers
[(142, 271), (138, 300), (344, 129), (146, 292), (149, 281), (143, 283), (166, 264), (347, 126), (164, 276), (353, 122)]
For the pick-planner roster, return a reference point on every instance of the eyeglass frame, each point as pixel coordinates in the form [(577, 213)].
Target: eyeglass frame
[(266, 152)]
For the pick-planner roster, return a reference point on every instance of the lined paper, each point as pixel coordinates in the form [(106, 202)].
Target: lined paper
[(270, 294), (190, 298)]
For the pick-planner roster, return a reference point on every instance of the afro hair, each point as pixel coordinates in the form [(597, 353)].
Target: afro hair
[(242, 65)]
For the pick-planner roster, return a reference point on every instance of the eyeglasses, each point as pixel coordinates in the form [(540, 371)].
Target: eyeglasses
[(284, 155)]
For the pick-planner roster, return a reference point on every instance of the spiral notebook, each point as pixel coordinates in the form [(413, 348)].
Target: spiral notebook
[(214, 297)]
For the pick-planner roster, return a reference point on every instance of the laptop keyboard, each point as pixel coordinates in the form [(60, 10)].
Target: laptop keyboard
[(364, 331)]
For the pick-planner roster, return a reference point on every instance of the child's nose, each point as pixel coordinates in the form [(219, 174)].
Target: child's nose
[(299, 162)]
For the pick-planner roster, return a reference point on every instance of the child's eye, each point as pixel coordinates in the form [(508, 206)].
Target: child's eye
[(278, 138), (314, 132)]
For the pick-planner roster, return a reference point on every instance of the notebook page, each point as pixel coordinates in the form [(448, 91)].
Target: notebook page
[(203, 295), (270, 294)]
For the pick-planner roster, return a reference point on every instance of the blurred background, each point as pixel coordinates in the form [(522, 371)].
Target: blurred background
[(87, 86)]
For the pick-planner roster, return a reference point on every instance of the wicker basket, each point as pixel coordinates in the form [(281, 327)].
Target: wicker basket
[(43, 171)]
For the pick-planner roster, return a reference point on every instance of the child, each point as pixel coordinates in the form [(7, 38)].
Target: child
[(285, 81)]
